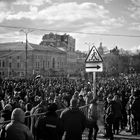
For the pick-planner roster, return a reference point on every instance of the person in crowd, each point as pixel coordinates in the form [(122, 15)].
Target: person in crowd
[(6, 113), (40, 108), (129, 114), (81, 101), (109, 116), (73, 121), (136, 112), (117, 114), (88, 97), (16, 129), (28, 108), (93, 117), (49, 127)]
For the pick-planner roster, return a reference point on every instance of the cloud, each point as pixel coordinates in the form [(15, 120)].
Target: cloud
[(108, 1), (136, 2), (64, 11), (23, 14), (115, 22), (135, 9), (135, 26), (70, 16), (32, 2)]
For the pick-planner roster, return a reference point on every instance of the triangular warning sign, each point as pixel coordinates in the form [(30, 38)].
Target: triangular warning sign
[(94, 56)]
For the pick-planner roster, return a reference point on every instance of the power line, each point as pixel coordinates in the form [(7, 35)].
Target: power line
[(42, 29)]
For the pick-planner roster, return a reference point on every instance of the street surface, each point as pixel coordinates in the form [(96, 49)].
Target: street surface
[(122, 136)]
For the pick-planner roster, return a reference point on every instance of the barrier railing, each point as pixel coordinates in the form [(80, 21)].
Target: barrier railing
[(84, 109)]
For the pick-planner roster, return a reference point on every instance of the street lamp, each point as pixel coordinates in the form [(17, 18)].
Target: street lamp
[(26, 48)]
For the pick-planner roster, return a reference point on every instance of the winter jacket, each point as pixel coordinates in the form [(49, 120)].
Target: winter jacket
[(136, 107), (18, 131), (49, 127), (109, 113), (74, 123), (117, 108)]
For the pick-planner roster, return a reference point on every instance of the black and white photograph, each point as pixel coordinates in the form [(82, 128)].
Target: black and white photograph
[(69, 69)]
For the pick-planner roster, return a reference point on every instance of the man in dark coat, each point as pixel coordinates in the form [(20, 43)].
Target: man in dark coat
[(73, 121), (109, 116), (49, 126)]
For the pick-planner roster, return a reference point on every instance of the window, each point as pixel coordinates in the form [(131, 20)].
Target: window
[(10, 64), (37, 65), (3, 64), (18, 65), (53, 63), (18, 57)]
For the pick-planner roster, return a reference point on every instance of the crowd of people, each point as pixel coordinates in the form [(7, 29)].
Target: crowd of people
[(42, 109)]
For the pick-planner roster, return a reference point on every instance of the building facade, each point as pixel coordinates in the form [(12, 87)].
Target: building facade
[(63, 42), (44, 60), (55, 56)]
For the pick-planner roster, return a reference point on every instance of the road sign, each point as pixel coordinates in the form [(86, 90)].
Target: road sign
[(94, 56), (94, 61), (94, 67)]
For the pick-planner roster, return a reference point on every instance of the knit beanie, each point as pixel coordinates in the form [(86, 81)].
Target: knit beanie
[(18, 115)]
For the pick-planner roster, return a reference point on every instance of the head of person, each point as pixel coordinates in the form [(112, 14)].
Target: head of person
[(109, 98), (6, 112), (81, 97), (18, 115), (116, 97), (8, 107), (52, 107), (73, 103)]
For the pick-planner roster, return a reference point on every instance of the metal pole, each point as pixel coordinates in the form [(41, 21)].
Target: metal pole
[(26, 50), (94, 84)]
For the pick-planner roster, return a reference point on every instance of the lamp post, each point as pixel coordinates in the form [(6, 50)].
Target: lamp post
[(26, 49)]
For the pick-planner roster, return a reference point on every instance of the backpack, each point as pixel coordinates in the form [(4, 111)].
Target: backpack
[(3, 133)]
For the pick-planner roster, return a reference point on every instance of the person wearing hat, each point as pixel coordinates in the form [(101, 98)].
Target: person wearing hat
[(73, 121), (49, 126), (16, 129)]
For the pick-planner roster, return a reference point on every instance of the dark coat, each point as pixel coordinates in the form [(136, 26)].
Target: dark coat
[(74, 123), (109, 113), (136, 107), (117, 109), (49, 127)]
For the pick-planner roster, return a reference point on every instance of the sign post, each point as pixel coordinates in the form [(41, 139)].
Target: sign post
[(94, 83), (94, 63)]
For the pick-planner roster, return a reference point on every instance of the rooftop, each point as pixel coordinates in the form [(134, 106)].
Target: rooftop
[(18, 46)]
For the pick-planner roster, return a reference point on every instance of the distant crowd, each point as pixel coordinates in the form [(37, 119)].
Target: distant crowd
[(32, 97)]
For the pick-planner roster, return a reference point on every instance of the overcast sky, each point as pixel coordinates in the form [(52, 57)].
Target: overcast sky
[(120, 17)]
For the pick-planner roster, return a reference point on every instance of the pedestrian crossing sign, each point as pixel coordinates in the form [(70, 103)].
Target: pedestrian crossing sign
[(94, 56)]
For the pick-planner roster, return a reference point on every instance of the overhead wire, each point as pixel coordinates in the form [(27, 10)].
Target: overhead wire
[(66, 31)]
